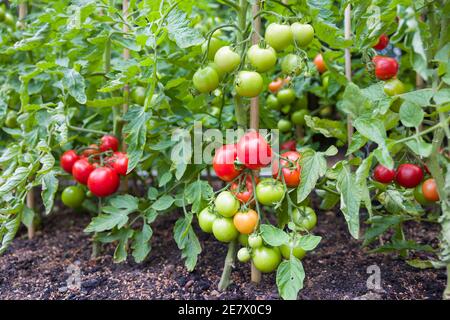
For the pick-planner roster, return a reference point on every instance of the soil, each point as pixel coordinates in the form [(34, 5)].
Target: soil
[(41, 268)]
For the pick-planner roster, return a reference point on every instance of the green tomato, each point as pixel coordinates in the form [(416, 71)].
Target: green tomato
[(394, 87), (220, 73), (11, 119), (266, 259), (73, 196), (9, 19), (226, 59), (326, 111), (243, 239), (419, 196), (263, 59), (303, 33), (286, 96), (284, 125), (301, 103), (297, 252), (224, 229), (325, 81), (304, 217), (248, 84), (298, 117), (272, 102), (269, 191), (214, 45), (206, 219), (226, 204), (138, 95), (291, 64), (206, 80), (255, 241), (285, 109), (2, 13), (243, 255), (278, 36)]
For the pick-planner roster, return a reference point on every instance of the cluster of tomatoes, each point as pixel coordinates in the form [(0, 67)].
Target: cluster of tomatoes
[(231, 215), (262, 58), (409, 176), (98, 167)]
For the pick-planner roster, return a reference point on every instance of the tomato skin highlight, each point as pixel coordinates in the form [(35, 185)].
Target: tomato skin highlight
[(408, 175), (429, 189), (320, 64), (73, 196), (292, 175), (68, 159), (248, 84), (254, 151), (246, 222), (103, 182), (382, 43), (383, 174), (81, 170), (266, 259), (223, 162), (385, 67), (109, 142)]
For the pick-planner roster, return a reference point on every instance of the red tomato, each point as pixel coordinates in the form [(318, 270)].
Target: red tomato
[(67, 160), (320, 64), (382, 43), (223, 162), (81, 170), (290, 145), (119, 162), (429, 190), (254, 151), (291, 170), (275, 85), (109, 142), (383, 174), (91, 150), (245, 193), (103, 182), (385, 67), (408, 175)]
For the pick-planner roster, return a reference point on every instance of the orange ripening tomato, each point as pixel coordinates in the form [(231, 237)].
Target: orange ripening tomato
[(275, 85), (246, 222), (429, 190), (320, 64)]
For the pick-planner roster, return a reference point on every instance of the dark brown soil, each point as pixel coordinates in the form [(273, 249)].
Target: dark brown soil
[(337, 269)]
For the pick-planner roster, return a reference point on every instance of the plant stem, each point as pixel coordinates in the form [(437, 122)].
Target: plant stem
[(229, 261), (95, 244), (348, 65)]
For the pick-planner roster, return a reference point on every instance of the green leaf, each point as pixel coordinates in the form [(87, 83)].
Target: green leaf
[(420, 97), (314, 166), (165, 178), (372, 129), (152, 193), (187, 241), (273, 236), (19, 176), (290, 277), (379, 225), (163, 203), (180, 32), (74, 83), (141, 244), (420, 147), (120, 254), (105, 222), (411, 114), (329, 128), (309, 242), (49, 188), (135, 131), (354, 102), (8, 230), (197, 193), (350, 200)]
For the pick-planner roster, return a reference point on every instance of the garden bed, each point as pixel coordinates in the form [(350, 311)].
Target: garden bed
[(37, 269)]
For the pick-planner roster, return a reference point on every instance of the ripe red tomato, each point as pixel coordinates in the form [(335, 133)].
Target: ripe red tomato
[(383, 174), (109, 142), (320, 64), (429, 190), (408, 175), (119, 162), (245, 193), (67, 160), (254, 151), (291, 169), (246, 222), (81, 170), (385, 67), (290, 145), (91, 150), (223, 162), (103, 181), (275, 85), (382, 43)]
